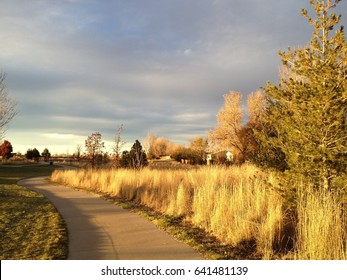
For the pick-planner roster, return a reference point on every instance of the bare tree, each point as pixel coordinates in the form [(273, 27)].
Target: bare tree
[(118, 145), (78, 152), (8, 106), (94, 146)]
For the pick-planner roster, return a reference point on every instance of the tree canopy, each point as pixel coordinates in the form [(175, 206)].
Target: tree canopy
[(33, 154), (308, 108), (6, 149), (94, 146), (135, 158)]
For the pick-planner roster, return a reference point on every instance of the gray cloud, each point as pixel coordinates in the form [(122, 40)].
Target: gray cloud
[(162, 66)]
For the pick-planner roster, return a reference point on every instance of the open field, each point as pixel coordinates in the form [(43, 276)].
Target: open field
[(240, 206), (12, 174), (30, 226)]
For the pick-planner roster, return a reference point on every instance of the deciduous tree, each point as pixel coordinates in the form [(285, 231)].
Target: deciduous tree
[(94, 146), (78, 152), (256, 103), (33, 154), (231, 133), (8, 106), (6, 149), (198, 146), (229, 122), (118, 145), (158, 146), (46, 154)]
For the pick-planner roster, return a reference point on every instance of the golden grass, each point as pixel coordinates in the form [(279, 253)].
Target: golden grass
[(322, 225), (235, 204), (231, 203), (30, 227), (240, 211)]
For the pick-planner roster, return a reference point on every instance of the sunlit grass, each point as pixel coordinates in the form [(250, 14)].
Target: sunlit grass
[(230, 203), (30, 227), (322, 225), (241, 206)]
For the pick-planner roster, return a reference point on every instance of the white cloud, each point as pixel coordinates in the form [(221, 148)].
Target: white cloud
[(62, 137)]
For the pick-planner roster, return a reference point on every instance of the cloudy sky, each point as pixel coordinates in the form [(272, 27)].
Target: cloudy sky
[(161, 66)]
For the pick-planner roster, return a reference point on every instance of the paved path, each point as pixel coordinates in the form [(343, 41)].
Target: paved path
[(100, 230)]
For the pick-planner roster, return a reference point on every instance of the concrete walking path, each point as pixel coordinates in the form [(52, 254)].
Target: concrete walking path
[(100, 230)]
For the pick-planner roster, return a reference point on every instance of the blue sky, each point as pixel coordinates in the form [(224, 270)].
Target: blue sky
[(80, 66)]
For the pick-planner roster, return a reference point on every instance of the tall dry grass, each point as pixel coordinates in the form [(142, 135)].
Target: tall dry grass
[(322, 225), (235, 204), (240, 208), (232, 203)]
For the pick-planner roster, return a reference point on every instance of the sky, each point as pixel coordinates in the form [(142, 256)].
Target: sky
[(77, 67)]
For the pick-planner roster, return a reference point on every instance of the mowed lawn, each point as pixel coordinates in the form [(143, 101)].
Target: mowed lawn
[(30, 226)]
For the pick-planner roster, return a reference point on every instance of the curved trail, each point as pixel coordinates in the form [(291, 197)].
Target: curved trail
[(100, 230)]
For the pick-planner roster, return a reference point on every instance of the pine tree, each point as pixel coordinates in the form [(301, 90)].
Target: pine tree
[(137, 155), (308, 108)]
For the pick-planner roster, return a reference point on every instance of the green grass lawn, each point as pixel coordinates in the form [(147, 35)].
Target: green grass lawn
[(30, 226)]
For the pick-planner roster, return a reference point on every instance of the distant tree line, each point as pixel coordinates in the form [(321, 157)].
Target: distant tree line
[(135, 158)]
